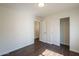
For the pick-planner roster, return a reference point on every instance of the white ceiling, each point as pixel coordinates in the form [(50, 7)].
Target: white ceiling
[(44, 11)]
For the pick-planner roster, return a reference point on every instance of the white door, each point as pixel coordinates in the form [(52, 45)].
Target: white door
[(43, 31)]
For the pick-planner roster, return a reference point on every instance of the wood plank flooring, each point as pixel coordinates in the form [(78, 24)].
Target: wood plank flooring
[(39, 48)]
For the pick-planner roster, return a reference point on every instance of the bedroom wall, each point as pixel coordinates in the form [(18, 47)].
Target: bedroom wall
[(16, 29), (53, 28)]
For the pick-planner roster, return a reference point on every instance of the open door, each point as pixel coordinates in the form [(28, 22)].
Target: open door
[(64, 31)]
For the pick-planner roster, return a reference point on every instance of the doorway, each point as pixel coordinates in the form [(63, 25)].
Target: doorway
[(37, 29), (64, 32), (37, 34)]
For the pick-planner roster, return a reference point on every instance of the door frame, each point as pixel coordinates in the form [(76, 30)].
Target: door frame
[(69, 29)]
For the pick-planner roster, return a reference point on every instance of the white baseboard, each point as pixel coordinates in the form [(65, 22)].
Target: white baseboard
[(9, 51), (74, 50)]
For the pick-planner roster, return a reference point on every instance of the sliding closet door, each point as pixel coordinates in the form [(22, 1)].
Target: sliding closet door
[(43, 31)]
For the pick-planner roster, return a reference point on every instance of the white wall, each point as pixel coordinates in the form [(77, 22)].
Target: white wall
[(16, 29), (53, 24)]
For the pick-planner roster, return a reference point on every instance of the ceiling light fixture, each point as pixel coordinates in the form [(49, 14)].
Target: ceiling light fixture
[(41, 4)]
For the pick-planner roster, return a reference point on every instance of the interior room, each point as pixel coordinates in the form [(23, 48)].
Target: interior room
[(39, 29)]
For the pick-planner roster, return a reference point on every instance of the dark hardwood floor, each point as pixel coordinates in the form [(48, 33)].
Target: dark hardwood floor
[(39, 47)]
